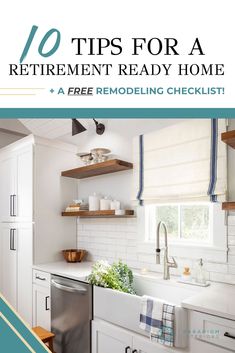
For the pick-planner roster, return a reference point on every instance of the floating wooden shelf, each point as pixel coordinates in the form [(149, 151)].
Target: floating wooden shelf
[(228, 206), (111, 166), (228, 137), (98, 214)]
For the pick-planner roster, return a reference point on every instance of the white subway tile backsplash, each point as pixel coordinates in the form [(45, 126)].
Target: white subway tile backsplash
[(131, 228), (231, 250), (231, 220), (231, 230), (112, 240), (231, 269), (121, 241), (231, 259), (151, 259), (231, 240), (131, 236), (214, 267), (133, 264), (131, 250), (114, 235), (131, 257), (153, 267), (225, 278)]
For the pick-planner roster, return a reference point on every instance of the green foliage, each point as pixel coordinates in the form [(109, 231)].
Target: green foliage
[(117, 276)]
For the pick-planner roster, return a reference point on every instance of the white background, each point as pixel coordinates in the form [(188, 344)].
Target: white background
[(211, 21)]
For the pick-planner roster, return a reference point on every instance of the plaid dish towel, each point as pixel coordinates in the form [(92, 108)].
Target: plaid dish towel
[(157, 318)]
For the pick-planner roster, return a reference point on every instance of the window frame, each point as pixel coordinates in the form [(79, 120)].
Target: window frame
[(150, 226), (215, 251)]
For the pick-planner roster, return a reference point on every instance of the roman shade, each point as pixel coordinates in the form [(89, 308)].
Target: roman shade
[(183, 162)]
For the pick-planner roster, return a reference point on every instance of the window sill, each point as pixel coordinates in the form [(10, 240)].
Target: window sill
[(190, 251)]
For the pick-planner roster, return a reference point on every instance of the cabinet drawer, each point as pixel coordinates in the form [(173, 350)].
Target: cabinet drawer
[(213, 329), (41, 278)]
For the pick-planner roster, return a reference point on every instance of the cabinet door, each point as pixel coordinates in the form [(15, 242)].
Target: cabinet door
[(107, 338), (16, 186), (24, 194), (9, 264), (144, 345), (16, 261), (7, 188), (24, 271), (41, 307)]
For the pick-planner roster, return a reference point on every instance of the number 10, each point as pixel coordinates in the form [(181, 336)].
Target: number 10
[(41, 45)]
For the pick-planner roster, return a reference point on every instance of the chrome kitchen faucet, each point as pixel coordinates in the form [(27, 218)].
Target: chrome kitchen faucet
[(167, 263)]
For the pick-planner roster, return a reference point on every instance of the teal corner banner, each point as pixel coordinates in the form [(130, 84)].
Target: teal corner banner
[(117, 113), (15, 336)]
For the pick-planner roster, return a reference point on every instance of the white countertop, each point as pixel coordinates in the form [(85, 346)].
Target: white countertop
[(215, 300), (78, 271), (218, 299)]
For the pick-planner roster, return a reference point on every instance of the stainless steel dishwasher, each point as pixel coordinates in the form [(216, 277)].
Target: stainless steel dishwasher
[(71, 315)]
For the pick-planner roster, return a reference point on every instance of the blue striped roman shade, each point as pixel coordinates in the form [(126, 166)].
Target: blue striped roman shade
[(183, 162)]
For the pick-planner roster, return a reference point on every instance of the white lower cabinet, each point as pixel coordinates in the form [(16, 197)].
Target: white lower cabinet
[(16, 267), (41, 300), (211, 334), (9, 259), (108, 338)]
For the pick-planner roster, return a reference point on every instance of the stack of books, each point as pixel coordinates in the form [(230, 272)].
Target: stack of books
[(77, 207)]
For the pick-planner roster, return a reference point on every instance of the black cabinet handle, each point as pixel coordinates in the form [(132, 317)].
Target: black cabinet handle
[(127, 349), (12, 239), (40, 278), (135, 351), (14, 231), (11, 205), (46, 303), (227, 334), (14, 205)]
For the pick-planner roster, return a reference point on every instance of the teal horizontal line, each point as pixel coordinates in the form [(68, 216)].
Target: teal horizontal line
[(120, 113)]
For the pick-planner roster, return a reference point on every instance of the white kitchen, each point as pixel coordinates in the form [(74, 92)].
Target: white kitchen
[(118, 235)]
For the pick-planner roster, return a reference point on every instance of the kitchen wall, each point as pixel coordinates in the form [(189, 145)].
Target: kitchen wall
[(112, 239)]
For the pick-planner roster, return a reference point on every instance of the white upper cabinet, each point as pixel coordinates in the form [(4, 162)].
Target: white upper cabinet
[(7, 187), (33, 191), (24, 177), (16, 185)]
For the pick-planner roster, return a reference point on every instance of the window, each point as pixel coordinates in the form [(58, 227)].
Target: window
[(185, 222)]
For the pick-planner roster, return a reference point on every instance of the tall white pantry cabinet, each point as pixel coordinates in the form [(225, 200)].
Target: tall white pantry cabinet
[(32, 231)]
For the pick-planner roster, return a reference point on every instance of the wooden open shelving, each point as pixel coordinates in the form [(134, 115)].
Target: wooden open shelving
[(111, 166), (228, 206), (228, 137), (98, 214)]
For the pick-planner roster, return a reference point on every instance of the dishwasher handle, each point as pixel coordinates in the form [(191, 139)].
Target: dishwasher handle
[(75, 289)]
